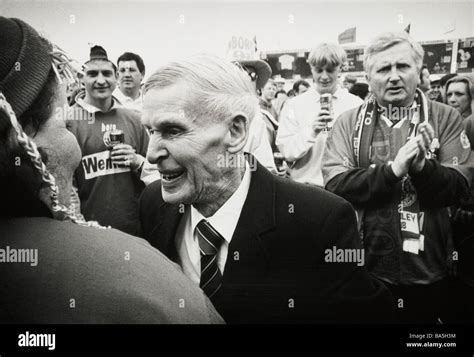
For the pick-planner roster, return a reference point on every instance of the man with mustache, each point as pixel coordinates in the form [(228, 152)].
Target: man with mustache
[(113, 144), (398, 159), (304, 124)]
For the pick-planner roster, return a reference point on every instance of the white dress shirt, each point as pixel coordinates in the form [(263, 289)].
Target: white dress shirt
[(224, 221), (296, 138), (130, 103)]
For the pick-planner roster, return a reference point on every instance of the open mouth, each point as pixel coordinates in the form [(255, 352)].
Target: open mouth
[(172, 177), (396, 89)]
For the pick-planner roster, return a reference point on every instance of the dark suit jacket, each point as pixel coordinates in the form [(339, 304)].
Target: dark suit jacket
[(276, 270)]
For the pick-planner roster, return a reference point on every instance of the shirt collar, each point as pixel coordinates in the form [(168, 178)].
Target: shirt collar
[(122, 98), (264, 103), (93, 109), (226, 217), (339, 92)]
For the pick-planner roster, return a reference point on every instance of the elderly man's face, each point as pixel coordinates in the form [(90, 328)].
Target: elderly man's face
[(185, 150), (393, 76)]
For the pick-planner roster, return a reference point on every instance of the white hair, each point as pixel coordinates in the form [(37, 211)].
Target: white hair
[(217, 87), (388, 40)]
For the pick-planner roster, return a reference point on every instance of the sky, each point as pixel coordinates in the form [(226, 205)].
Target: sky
[(163, 30)]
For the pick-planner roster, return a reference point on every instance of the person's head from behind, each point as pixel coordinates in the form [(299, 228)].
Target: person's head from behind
[(392, 63), (326, 61), (425, 83), (131, 71), (458, 95), (38, 155), (99, 78), (300, 86), (196, 140), (280, 94), (349, 81), (360, 89)]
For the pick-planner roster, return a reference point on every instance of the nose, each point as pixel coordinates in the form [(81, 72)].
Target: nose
[(100, 79), (451, 99), (324, 75), (394, 75), (157, 151)]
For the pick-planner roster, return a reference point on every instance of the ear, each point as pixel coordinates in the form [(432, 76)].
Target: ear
[(238, 133), (80, 78)]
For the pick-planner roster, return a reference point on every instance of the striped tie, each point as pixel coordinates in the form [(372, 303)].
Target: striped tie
[(209, 243)]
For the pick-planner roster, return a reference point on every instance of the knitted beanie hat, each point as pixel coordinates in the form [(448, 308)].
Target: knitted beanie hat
[(25, 62), (97, 53)]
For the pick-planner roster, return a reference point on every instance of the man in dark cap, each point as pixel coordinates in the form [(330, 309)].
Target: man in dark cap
[(113, 144)]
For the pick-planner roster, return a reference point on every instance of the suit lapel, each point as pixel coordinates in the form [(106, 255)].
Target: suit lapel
[(164, 233), (247, 252)]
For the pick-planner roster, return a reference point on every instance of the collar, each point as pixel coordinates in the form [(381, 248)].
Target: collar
[(122, 98), (226, 217), (338, 93), (264, 103), (93, 109), (396, 123)]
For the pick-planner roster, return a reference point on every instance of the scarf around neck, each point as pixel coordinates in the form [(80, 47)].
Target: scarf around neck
[(411, 219)]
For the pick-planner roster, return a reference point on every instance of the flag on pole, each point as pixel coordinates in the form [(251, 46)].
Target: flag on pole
[(347, 36)]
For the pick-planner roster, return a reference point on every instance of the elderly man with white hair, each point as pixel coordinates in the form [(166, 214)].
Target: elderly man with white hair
[(263, 249), (398, 159)]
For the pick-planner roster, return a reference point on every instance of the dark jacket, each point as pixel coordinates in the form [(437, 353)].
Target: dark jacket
[(281, 275), (84, 275)]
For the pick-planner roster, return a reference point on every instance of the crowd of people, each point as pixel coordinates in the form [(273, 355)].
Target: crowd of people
[(210, 194)]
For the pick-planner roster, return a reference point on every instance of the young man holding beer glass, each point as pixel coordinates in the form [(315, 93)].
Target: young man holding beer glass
[(306, 120), (113, 143)]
